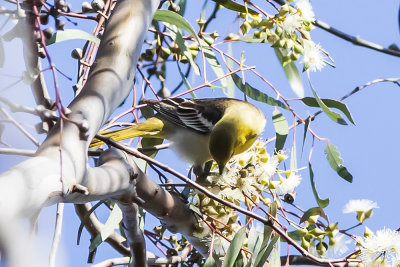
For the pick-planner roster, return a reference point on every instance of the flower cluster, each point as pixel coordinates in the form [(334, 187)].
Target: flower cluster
[(381, 249), (247, 177), (288, 30)]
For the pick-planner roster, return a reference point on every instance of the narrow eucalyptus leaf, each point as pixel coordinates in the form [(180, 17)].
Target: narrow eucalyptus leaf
[(255, 93), (335, 161)]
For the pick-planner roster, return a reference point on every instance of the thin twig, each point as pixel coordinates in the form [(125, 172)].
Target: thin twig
[(57, 234), (19, 126)]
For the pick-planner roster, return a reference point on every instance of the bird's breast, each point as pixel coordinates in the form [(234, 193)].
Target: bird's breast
[(191, 146)]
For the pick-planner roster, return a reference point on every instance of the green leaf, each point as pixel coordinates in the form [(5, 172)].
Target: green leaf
[(323, 203), (281, 128), (333, 156), (295, 235), (70, 34), (313, 211), (333, 115), (249, 38), (219, 72), (306, 124), (177, 36), (255, 240), (182, 7), (264, 253), (234, 248), (236, 7), (112, 222), (255, 93), (275, 260), (312, 102), (175, 19), (210, 262), (239, 261), (292, 73)]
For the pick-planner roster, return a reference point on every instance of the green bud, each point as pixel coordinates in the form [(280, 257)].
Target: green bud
[(361, 216), (305, 244), (322, 247), (284, 8), (257, 34), (278, 30), (281, 43), (294, 56), (368, 214), (298, 48), (317, 232), (245, 27), (232, 36), (289, 44), (313, 219), (214, 35), (368, 232), (201, 22)]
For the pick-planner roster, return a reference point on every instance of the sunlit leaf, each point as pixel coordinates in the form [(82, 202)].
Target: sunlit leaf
[(175, 19), (292, 73), (312, 102), (313, 211), (234, 248), (333, 156), (236, 7), (281, 129), (255, 93), (112, 222), (182, 7), (264, 253), (255, 240), (275, 259), (332, 115), (321, 202), (306, 124), (177, 36), (69, 34)]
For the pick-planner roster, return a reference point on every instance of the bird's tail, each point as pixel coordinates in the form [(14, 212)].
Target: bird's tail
[(149, 128)]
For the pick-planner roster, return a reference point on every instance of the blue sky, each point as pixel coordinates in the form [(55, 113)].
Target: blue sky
[(369, 149)]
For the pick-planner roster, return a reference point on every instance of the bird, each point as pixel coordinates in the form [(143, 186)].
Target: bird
[(199, 129)]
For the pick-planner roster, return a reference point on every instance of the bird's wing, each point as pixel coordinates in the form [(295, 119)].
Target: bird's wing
[(199, 115)]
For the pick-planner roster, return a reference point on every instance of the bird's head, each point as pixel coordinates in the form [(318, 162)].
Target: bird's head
[(222, 145)]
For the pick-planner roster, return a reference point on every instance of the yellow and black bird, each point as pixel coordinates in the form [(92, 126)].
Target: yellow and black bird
[(199, 129)]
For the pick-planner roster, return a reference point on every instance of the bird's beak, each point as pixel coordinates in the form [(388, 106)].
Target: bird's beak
[(221, 168)]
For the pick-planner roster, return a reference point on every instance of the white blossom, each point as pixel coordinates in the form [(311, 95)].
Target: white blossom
[(382, 249), (291, 23), (339, 247), (359, 205), (268, 169), (288, 185), (313, 58), (306, 9)]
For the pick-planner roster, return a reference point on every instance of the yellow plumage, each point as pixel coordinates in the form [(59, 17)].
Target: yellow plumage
[(199, 129)]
